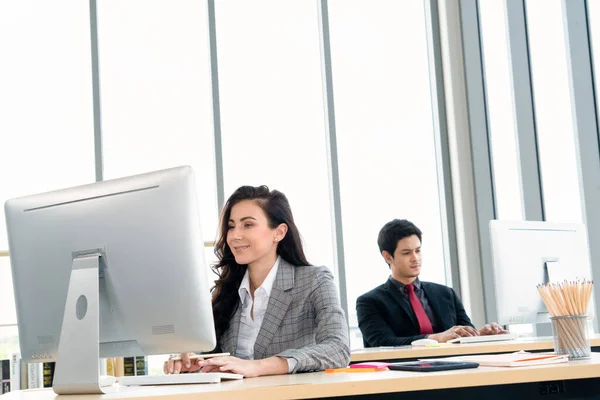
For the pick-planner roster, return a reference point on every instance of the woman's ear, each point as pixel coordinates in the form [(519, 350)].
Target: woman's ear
[(280, 232)]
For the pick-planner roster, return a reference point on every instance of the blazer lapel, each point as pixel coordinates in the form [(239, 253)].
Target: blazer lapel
[(393, 291), (436, 307), (279, 302), (230, 337)]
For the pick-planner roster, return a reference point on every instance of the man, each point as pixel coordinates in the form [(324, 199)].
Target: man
[(405, 309)]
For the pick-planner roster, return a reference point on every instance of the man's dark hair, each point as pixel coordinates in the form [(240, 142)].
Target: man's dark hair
[(394, 231)]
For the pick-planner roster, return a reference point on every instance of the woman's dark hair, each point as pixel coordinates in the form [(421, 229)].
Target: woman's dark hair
[(230, 273)]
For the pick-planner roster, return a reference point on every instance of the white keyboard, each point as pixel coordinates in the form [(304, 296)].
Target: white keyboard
[(484, 338), (177, 379)]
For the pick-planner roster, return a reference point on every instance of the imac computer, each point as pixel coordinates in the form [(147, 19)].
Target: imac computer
[(113, 268), (528, 253)]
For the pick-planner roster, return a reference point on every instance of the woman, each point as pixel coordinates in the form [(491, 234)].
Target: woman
[(274, 311)]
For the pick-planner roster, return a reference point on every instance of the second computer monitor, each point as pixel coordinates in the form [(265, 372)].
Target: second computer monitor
[(528, 253)]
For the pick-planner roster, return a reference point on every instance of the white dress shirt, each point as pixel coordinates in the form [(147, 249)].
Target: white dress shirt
[(249, 327)]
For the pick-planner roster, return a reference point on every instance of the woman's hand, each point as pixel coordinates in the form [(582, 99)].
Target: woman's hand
[(172, 366), (248, 368)]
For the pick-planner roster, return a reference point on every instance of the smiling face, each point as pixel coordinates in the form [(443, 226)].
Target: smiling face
[(405, 263), (250, 238)]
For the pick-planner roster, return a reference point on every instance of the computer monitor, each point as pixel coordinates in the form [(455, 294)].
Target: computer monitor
[(113, 268), (528, 253)]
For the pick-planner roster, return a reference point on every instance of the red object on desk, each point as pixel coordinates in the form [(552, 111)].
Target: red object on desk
[(371, 364), (360, 369)]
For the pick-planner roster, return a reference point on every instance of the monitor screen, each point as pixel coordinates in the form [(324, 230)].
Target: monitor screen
[(528, 253), (127, 254)]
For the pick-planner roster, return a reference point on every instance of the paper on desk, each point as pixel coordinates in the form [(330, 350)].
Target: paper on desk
[(519, 359)]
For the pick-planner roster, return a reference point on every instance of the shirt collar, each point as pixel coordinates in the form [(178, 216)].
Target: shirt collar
[(270, 279), (267, 285), (400, 286)]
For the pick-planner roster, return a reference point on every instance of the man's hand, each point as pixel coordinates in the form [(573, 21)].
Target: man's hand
[(492, 329), (453, 333)]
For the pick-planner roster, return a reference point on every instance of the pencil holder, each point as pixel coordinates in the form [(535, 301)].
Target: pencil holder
[(571, 336)]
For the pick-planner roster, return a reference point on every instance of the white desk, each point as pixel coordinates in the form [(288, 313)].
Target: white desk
[(320, 384)]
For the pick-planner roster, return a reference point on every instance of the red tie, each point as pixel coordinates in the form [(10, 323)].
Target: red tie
[(424, 323)]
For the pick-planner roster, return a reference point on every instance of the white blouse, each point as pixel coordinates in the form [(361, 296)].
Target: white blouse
[(249, 327)]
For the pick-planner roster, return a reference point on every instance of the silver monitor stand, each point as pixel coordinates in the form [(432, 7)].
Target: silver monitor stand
[(77, 369)]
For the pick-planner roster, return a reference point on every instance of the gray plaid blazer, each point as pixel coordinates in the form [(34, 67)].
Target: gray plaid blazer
[(304, 321)]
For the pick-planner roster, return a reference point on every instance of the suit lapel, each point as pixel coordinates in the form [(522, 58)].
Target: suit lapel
[(395, 293), (279, 302), (230, 337), (436, 306)]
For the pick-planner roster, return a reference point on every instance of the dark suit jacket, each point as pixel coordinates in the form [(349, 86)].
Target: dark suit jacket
[(386, 319)]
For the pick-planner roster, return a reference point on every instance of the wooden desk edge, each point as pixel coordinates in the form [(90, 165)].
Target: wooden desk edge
[(487, 377), (351, 384)]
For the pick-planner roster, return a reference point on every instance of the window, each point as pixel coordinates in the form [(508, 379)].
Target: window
[(272, 110), (9, 340), (554, 119), (155, 92), (385, 136), (46, 114), (501, 118), (594, 18), (8, 313)]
